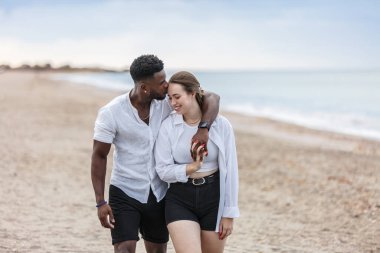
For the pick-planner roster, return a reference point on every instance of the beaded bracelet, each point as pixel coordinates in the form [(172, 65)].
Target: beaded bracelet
[(101, 203)]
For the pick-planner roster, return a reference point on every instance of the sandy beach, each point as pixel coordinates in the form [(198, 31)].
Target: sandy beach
[(301, 190)]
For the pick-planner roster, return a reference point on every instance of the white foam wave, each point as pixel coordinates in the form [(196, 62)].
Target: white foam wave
[(351, 124)]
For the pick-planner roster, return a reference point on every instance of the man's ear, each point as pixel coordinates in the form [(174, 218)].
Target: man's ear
[(144, 87)]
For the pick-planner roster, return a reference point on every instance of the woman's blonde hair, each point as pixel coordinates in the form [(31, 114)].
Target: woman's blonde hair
[(190, 83)]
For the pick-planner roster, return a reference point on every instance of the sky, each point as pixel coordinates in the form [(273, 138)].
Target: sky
[(197, 35)]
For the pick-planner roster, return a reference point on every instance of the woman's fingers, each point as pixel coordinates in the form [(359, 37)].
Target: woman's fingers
[(193, 149), (200, 153)]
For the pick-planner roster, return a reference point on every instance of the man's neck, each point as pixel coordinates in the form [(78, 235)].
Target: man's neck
[(138, 100)]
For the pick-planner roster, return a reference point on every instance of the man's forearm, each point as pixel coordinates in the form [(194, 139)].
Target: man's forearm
[(98, 175), (210, 107)]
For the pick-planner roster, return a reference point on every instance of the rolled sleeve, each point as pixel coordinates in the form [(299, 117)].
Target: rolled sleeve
[(104, 129)]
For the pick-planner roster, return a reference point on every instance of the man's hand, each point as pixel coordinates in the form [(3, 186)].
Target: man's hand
[(105, 216), (200, 138)]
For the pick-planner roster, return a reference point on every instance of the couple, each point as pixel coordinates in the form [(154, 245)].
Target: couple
[(154, 146)]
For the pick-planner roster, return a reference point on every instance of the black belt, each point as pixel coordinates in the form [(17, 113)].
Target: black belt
[(204, 180)]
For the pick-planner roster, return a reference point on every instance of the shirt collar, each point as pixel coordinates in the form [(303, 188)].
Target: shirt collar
[(178, 119)]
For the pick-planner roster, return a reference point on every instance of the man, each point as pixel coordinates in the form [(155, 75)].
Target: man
[(131, 122)]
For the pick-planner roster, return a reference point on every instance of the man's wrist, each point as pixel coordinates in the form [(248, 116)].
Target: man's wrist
[(204, 125), (101, 203)]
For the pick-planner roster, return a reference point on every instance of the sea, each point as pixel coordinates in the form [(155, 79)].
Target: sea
[(339, 101)]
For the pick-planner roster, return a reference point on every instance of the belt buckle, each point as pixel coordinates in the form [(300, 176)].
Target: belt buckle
[(198, 181)]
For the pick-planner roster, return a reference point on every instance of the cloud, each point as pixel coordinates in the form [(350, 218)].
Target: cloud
[(191, 34)]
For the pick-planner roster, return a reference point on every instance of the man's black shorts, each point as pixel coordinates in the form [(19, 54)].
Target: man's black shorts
[(131, 216)]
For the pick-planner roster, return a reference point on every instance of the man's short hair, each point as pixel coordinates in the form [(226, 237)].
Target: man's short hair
[(145, 66)]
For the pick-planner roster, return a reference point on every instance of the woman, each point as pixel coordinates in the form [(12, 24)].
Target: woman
[(202, 200)]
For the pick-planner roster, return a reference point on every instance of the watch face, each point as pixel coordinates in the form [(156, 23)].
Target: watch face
[(203, 124)]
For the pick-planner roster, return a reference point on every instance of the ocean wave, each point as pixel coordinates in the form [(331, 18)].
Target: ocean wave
[(347, 123)]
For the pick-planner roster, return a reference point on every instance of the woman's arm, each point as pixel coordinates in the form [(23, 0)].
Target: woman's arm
[(231, 209), (166, 168)]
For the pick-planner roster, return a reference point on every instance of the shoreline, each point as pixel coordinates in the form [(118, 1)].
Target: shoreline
[(301, 190), (341, 124)]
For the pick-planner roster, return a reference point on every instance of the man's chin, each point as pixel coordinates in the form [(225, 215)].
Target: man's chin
[(161, 98)]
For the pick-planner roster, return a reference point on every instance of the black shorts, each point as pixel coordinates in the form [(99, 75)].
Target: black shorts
[(199, 203), (131, 216)]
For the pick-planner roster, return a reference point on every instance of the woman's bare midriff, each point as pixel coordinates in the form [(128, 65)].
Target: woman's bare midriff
[(202, 174)]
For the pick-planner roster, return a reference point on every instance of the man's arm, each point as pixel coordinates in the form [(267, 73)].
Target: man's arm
[(98, 175), (210, 109), (99, 168)]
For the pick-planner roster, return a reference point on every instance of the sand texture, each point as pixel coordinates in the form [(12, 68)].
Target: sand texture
[(301, 190)]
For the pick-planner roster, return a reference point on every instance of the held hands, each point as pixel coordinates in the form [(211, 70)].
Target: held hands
[(201, 137), (197, 153), (225, 227), (105, 216)]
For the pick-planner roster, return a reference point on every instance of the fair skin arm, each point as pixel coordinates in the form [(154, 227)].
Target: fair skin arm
[(225, 227), (98, 174)]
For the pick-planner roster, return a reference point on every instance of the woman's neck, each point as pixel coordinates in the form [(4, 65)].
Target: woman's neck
[(193, 117)]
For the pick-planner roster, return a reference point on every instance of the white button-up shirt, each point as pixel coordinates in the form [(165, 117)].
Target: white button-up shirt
[(133, 170), (222, 135)]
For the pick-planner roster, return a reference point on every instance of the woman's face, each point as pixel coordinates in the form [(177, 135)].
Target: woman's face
[(180, 100)]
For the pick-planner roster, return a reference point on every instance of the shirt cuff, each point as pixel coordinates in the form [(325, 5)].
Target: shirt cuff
[(180, 174), (231, 212), (103, 138)]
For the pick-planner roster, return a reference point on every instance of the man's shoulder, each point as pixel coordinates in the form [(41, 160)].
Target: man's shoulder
[(115, 102)]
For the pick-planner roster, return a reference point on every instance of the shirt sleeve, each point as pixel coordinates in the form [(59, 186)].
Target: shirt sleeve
[(166, 168), (231, 208), (105, 126)]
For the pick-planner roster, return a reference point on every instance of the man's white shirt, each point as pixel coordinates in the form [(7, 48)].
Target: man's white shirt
[(133, 169)]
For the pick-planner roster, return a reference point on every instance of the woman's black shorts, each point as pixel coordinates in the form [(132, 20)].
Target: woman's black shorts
[(197, 200)]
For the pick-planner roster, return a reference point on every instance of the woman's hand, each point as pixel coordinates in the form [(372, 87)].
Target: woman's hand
[(195, 145), (201, 137), (225, 227), (198, 155)]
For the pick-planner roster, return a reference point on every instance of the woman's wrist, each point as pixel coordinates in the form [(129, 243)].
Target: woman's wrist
[(193, 167)]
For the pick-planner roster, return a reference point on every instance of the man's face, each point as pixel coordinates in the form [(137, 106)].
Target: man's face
[(158, 86)]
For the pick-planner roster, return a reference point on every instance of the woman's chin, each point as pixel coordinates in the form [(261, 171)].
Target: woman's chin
[(178, 111)]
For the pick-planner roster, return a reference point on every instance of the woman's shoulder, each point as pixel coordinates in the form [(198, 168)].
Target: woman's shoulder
[(170, 120), (222, 121)]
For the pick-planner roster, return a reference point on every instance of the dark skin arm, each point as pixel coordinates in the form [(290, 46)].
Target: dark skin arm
[(210, 109), (98, 175)]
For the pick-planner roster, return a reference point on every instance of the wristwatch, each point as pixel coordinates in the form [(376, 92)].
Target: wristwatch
[(204, 124)]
